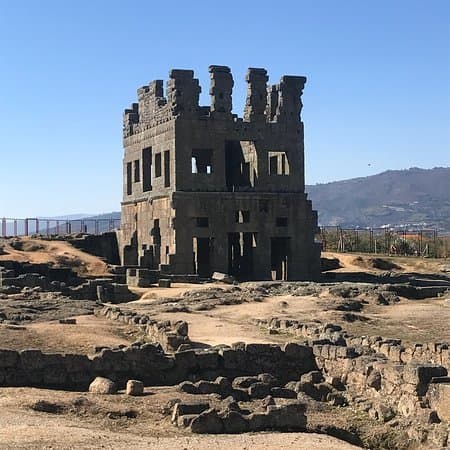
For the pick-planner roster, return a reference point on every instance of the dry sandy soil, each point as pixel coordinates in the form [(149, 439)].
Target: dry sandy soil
[(84, 420), (60, 253)]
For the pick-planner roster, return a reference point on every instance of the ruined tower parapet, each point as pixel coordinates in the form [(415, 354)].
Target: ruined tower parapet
[(277, 103), (221, 89), (151, 99), (289, 106), (256, 102), (130, 120), (183, 92)]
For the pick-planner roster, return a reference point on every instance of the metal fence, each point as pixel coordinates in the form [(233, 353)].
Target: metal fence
[(11, 227), (421, 242)]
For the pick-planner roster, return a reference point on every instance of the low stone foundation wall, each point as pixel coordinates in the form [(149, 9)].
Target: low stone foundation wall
[(16, 276), (433, 352), (169, 334), (151, 365), (380, 375)]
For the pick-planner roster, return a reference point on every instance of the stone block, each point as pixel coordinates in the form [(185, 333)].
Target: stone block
[(259, 390), (287, 417), (439, 394), (233, 359), (207, 359), (422, 373), (103, 385), (279, 392), (296, 351), (208, 422), (134, 387), (234, 422), (32, 359), (164, 283), (314, 377), (244, 382), (8, 358), (207, 387), (182, 409)]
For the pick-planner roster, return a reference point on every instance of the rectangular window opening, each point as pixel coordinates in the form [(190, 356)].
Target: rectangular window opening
[(158, 165), (282, 222), (201, 161), (147, 169), (202, 222), (137, 170), (129, 185), (167, 168), (278, 163)]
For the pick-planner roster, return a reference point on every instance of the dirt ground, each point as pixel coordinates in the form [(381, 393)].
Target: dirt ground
[(84, 420), (53, 337), (60, 253)]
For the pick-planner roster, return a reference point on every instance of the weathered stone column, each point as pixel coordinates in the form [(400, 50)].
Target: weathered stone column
[(255, 105)]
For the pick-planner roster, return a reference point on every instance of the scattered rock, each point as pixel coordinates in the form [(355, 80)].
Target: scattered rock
[(223, 277), (208, 422), (103, 385), (47, 407), (134, 387), (68, 321)]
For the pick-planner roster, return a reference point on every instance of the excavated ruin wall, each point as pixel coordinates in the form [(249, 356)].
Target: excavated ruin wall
[(151, 365), (380, 375), (169, 334), (433, 352)]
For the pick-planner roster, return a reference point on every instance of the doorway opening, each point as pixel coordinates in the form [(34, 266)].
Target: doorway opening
[(201, 252), (240, 254), (279, 257)]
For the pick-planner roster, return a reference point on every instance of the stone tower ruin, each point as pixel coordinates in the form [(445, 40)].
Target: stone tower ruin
[(205, 190)]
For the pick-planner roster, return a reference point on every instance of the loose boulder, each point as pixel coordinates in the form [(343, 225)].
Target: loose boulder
[(103, 385), (208, 422), (135, 387)]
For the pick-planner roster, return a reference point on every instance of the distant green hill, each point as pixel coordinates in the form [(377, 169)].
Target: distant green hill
[(415, 197)]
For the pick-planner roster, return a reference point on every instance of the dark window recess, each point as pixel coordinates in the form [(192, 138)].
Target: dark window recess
[(240, 165), (264, 206), (202, 222), (137, 171), (147, 169), (202, 161), (129, 185), (242, 216), (167, 168), (157, 165), (282, 221)]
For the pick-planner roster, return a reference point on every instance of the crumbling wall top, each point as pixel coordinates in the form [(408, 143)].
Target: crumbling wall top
[(277, 103)]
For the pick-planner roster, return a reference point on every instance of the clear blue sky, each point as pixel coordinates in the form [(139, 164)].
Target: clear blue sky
[(378, 88)]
